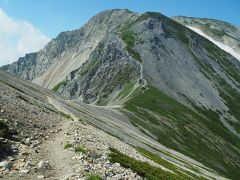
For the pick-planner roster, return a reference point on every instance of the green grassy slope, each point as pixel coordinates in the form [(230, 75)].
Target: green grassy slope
[(198, 134)]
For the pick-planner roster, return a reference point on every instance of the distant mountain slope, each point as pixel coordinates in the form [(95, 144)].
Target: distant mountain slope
[(223, 34), (175, 85)]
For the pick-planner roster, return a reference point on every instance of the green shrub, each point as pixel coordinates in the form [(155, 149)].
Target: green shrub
[(3, 129), (156, 158), (143, 169), (80, 149), (93, 177), (68, 145), (5, 150), (61, 84), (129, 38), (65, 115)]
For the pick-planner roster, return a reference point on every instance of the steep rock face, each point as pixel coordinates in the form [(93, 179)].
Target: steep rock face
[(108, 71), (169, 62), (68, 51), (223, 34)]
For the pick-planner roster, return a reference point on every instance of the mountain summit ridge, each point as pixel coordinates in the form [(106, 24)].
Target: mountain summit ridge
[(217, 30)]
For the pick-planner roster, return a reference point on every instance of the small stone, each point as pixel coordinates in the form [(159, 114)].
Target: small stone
[(117, 164), (40, 176), (16, 124), (25, 171), (28, 141), (42, 165), (28, 163), (15, 150), (20, 164), (6, 165), (11, 158), (25, 153), (14, 147)]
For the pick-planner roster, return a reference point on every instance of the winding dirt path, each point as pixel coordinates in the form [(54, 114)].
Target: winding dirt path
[(59, 158)]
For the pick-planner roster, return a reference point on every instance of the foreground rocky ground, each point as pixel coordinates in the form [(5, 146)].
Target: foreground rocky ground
[(80, 150), (42, 142), (71, 151), (30, 126), (63, 150)]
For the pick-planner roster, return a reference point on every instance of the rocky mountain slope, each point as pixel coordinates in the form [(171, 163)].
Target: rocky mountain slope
[(171, 84), (53, 138), (223, 34)]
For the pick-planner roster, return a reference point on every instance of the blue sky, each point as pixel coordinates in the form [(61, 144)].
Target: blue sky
[(54, 16), (27, 25)]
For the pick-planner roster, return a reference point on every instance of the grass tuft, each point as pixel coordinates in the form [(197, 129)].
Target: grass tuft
[(93, 177), (129, 38), (80, 149), (157, 159), (143, 169), (68, 145)]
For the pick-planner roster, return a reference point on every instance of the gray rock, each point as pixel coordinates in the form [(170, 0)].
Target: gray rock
[(6, 165), (16, 124), (40, 176), (27, 141), (42, 165), (29, 163), (14, 147), (25, 171)]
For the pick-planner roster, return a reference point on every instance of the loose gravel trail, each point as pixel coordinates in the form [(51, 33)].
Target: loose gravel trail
[(59, 158)]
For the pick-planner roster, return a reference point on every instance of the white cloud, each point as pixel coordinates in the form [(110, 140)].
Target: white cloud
[(18, 37)]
